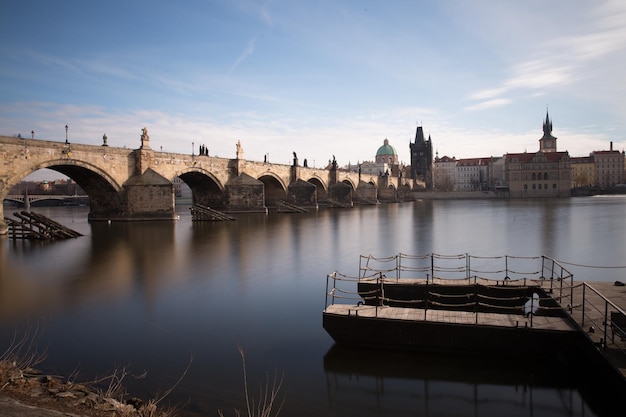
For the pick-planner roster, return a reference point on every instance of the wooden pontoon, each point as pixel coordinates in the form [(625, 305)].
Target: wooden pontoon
[(453, 304)]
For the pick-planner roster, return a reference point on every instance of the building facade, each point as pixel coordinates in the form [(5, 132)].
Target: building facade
[(583, 171), (609, 167), (444, 173), (472, 174), (546, 173)]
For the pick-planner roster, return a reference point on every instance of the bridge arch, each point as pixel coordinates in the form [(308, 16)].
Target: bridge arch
[(348, 181), (105, 194), (275, 189), (206, 189), (322, 192)]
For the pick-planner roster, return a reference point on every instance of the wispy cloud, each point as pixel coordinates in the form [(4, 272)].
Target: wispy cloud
[(265, 14), (248, 50), (498, 102), (561, 61)]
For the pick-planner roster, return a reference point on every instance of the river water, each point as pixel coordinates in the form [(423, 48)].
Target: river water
[(154, 297)]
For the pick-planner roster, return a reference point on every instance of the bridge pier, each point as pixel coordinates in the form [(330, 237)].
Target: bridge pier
[(245, 194), (302, 193), (386, 192), (340, 195), (366, 193), (149, 196)]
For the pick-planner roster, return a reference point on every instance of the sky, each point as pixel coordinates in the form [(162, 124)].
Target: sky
[(319, 78)]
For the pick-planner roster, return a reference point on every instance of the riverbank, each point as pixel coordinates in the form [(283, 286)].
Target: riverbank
[(27, 392), (459, 195)]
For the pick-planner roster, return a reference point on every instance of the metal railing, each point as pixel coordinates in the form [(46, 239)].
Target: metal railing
[(602, 315), (505, 269), (499, 271)]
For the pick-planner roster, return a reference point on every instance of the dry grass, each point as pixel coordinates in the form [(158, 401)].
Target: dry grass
[(105, 396), (267, 404), (22, 353)]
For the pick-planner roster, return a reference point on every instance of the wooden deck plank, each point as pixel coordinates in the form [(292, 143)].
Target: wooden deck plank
[(453, 317)]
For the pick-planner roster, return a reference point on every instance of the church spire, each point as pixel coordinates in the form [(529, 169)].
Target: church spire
[(547, 126)]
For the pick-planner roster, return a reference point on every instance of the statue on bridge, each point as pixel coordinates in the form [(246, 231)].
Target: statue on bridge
[(145, 139), (295, 159), (239, 150)]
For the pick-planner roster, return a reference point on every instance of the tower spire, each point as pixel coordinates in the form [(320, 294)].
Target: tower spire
[(547, 125), (548, 142)]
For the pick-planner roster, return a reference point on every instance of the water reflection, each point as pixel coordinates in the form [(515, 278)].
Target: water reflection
[(148, 294), (401, 383)]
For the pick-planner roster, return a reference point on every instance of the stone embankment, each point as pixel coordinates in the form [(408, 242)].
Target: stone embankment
[(458, 195)]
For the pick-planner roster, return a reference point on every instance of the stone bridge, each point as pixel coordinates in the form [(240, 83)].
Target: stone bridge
[(138, 184)]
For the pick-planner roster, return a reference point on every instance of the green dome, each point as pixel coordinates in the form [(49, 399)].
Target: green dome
[(386, 149)]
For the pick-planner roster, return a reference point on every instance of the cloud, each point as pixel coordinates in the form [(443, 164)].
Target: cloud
[(563, 60), (498, 102), (249, 50)]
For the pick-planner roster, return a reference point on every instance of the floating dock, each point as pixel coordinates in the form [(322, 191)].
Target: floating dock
[(490, 306)]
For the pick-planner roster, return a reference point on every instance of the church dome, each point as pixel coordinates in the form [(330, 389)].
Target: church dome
[(386, 149)]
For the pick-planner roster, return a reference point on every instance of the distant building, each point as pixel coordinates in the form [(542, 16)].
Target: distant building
[(546, 173), (583, 171), (472, 174), (422, 159), (497, 174), (372, 168), (609, 167), (386, 154), (387, 160), (181, 189), (444, 173)]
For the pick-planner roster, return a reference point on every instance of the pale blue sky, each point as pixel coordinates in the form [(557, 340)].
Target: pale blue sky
[(320, 78)]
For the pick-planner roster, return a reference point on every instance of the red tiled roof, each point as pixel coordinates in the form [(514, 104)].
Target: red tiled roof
[(526, 157), (606, 152), (473, 161), (445, 159), (581, 160)]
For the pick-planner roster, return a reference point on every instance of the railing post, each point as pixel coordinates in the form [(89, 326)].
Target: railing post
[(326, 298), (475, 302), (432, 265), (468, 267), (506, 267), (426, 298), (379, 284), (398, 266), (605, 322), (582, 321), (571, 293), (360, 266), (560, 289)]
